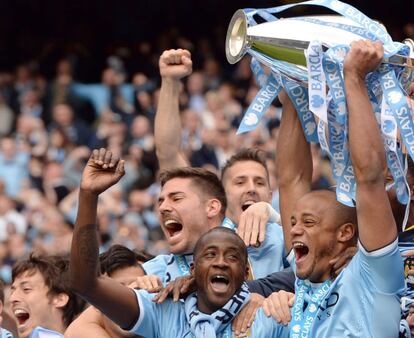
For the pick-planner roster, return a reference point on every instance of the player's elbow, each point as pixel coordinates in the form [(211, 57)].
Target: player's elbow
[(80, 284), (370, 172)]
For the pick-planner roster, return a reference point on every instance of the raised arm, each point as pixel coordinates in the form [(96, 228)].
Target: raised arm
[(174, 65), (116, 301), (376, 223), (293, 165)]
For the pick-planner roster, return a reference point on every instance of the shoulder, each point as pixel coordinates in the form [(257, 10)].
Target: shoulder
[(267, 327), (153, 266), (274, 228)]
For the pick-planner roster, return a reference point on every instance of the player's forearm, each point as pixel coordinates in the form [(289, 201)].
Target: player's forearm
[(366, 146), (293, 166), (294, 160), (167, 128), (376, 224), (85, 245)]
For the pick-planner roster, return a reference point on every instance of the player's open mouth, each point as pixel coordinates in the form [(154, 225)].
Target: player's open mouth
[(247, 204), (219, 283), (173, 227), (301, 251), (22, 316)]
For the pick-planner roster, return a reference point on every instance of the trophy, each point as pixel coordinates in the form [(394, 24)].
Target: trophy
[(305, 56), (288, 39)]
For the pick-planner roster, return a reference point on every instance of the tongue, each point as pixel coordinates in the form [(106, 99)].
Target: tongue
[(22, 318), (245, 206), (219, 286)]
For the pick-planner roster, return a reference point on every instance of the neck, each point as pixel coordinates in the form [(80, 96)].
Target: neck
[(232, 217), (204, 306), (320, 279), (56, 325)]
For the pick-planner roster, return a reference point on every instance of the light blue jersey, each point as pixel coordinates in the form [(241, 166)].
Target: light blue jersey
[(5, 334), (363, 301), (264, 260), (168, 267), (269, 257), (168, 320), (40, 332)]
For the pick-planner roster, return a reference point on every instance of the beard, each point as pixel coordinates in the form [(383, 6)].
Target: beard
[(320, 264)]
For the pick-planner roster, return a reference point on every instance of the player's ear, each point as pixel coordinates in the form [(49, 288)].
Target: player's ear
[(346, 232), (213, 207)]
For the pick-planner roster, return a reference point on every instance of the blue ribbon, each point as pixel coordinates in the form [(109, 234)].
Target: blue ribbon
[(334, 127), (397, 101), (299, 97), (182, 265), (350, 12), (302, 321), (260, 104)]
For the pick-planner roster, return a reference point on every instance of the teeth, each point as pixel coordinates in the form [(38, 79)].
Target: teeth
[(19, 312), (170, 221), (298, 245), (220, 277)]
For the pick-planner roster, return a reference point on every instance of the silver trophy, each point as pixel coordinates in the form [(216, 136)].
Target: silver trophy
[(287, 40), (305, 56)]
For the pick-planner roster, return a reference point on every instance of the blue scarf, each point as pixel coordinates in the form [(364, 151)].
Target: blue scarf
[(209, 326)]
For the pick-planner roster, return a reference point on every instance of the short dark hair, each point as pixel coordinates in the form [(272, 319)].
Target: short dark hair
[(118, 257), (205, 180), (55, 272), (228, 231), (246, 154)]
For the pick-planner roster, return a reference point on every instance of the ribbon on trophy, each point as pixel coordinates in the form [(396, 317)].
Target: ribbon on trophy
[(311, 72), (270, 89)]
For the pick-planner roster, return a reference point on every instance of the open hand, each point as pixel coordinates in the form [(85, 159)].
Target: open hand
[(278, 306), (252, 224), (339, 262), (178, 288), (245, 317), (149, 283)]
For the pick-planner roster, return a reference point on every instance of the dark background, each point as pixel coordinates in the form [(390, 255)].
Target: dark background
[(90, 30)]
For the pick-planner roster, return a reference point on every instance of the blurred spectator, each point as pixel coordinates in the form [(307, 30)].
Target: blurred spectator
[(6, 117), (50, 126), (13, 166), (77, 131), (195, 86)]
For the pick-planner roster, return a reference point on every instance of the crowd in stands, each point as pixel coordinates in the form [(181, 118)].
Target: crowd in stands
[(49, 128)]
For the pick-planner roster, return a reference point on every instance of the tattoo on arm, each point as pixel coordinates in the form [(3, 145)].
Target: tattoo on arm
[(87, 249)]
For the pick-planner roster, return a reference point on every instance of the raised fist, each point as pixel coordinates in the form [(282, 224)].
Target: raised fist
[(364, 57), (175, 64), (102, 171)]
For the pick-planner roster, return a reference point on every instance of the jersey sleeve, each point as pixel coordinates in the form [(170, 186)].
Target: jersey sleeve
[(146, 324), (282, 280), (156, 266), (382, 269), (267, 327)]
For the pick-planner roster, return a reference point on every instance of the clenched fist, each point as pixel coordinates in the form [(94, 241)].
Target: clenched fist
[(175, 64), (103, 170)]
